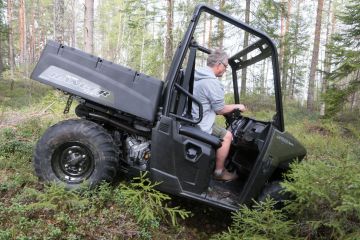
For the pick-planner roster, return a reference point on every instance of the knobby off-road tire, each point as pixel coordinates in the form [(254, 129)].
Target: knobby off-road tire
[(274, 191), (74, 151)]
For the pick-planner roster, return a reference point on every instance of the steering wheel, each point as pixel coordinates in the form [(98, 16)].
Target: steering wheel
[(232, 116)]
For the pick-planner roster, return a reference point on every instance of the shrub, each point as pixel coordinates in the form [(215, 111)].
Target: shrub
[(57, 197), (261, 222), (147, 204), (10, 144), (327, 197)]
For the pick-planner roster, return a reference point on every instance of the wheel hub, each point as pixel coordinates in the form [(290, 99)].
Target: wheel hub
[(73, 162)]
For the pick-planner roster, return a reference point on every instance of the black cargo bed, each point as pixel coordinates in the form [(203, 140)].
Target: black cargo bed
[(98, 80)]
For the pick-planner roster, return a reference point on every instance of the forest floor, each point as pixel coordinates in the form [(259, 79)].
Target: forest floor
[(22, 209), (17, 178), (32, 210)]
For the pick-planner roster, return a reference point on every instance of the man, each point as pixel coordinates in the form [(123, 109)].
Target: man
[(210, 92)]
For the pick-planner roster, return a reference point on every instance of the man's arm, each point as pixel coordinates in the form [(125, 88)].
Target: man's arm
[(231, 107)]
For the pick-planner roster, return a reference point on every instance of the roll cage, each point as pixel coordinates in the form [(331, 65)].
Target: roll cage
[(264, 46)]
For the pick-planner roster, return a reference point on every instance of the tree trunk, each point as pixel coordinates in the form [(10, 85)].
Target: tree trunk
[(73, 24), (315, 57), (32, 35), (353, 101), (286, 56), (22, 31), (221, 26), (203, 60), (1, 38), (291, 89), (263, 78), (144, 30), (327, 62), (246, 43), (120, 37), (210, 29), (89, 26), (2, 32), (59, 20), (11, 40), (282, 37), (169, 34), (1, 54)]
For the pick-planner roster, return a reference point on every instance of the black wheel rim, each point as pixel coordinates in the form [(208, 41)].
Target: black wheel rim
[(73, 162)]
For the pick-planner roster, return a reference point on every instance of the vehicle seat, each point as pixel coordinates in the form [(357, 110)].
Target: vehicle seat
[(202, 136)]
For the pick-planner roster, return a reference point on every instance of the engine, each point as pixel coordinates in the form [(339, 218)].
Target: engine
[(137, 151)]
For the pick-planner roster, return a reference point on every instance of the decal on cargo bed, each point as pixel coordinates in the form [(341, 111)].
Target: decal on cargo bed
[(76, 83)]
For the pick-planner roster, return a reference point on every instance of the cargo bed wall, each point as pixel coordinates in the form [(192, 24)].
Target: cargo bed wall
[(98, 80)]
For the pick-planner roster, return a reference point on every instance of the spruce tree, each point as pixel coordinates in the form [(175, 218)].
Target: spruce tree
[(345, 79)]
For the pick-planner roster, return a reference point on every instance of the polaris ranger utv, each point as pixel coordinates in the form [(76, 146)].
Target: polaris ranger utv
[(130, 122)]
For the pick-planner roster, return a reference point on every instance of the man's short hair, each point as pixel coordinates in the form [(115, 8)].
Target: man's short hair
[(217, 56)]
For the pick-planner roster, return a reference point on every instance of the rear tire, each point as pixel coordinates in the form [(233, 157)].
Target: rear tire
[(74, 151)]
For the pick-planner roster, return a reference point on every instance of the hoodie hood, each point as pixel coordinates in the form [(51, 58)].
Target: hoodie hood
[(203, 73)]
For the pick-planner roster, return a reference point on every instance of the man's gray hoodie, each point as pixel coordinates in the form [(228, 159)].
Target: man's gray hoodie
[(210, 92)]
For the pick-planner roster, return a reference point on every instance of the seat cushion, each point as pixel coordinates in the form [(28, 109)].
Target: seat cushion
[(202, 136)]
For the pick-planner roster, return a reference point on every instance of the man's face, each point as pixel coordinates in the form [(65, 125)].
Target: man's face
[(220, 68)]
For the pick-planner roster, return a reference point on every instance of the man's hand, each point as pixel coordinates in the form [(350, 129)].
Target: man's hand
[(241, 107), (231, 107)]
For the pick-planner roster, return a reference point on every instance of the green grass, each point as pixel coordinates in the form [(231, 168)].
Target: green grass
[(21, 92)]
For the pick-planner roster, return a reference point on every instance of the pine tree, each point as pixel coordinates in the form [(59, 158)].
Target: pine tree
[(315, 57), (327, 61), (297, 42), (345, 79), (2, 34)]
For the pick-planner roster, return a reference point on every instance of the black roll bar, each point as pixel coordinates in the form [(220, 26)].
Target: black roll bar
[(185, 44)]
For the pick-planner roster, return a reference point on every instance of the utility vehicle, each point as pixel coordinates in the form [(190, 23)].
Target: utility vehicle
[(130, 122)]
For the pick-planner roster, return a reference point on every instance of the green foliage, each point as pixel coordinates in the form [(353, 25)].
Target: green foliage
[(148, 204), (344, 80), (57, 197), (132, 41), (351, 17), (20, 92), (10, 145), (335, 99), (327, 197), (260, 222), (261, 107), (268, 15)]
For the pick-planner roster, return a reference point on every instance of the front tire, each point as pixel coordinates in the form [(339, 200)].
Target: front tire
[(275, 191), (74, 151)]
